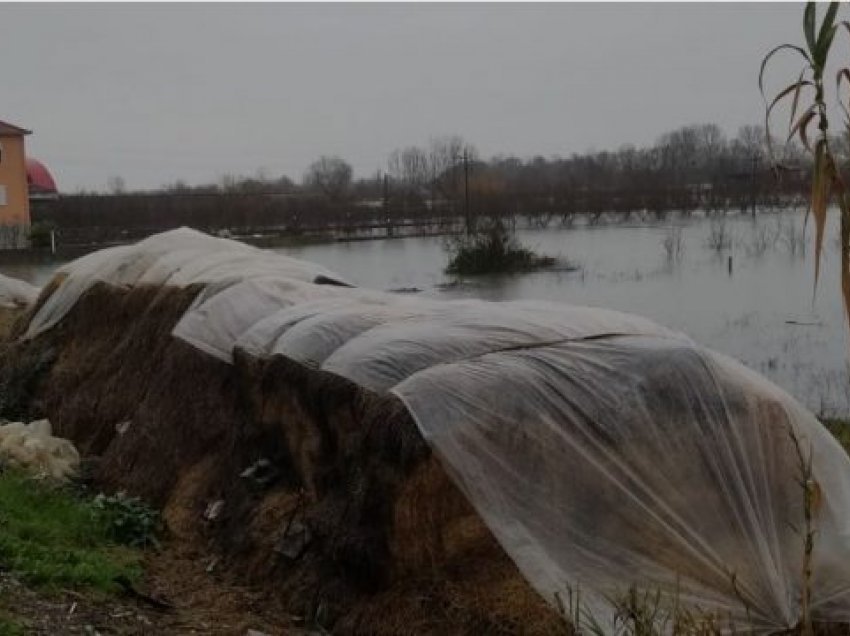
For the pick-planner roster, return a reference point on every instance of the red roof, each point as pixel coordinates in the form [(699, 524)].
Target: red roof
[(39, 178)]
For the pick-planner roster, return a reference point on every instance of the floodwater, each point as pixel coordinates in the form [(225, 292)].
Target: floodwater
[(764, 312), (759, 309)]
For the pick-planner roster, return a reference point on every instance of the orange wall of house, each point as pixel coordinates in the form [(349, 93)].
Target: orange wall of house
[(13, 175)]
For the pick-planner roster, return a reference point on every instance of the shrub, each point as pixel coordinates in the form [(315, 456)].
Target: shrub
[(129, 521), (40, 234), (493, 250)]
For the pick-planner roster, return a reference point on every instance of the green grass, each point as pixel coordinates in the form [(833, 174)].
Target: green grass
[(10, 627), (53, 537)]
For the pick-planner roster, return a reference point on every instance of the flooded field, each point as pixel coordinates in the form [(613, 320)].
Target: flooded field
[(758, 309), (761, 312)]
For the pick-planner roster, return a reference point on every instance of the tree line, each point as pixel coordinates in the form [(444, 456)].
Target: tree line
[(692, 167)]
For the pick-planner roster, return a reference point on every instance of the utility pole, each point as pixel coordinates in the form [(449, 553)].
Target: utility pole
[(386, 204), (466, 191), (385, 195), (753, 184), (433, 190)]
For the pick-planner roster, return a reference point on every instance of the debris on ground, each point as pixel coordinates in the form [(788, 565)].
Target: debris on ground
[(32, 447)]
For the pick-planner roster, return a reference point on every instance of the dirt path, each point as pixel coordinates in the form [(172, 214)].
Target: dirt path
[(184, 598)]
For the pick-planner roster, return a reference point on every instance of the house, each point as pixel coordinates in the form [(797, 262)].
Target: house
[(14, 191)]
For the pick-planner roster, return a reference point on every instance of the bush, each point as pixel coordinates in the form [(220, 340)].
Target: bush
[(493, 250), (40, 234)]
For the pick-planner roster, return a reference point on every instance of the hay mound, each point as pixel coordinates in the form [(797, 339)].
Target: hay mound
[(33, 448), (323, 493), (394, 463)]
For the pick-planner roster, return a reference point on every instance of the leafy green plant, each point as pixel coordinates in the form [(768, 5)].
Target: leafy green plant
[(129, 521), (809, 105)]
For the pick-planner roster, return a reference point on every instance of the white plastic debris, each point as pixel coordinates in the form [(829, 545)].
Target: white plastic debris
[(16, 293), (34, 448)]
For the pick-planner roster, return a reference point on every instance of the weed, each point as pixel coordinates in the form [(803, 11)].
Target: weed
[(129, 521), (719, 236), (793, 238), (674, 244), (762, 239)]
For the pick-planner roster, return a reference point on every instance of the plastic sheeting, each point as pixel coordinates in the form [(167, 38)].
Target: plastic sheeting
[(646, 461), (16, 293), (180, 258), (221, 316), (601, 449)]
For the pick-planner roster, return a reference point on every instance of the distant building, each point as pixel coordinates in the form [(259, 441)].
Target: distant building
[(14, 191)]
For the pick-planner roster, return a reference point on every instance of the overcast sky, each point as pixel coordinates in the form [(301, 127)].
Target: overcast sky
[(156, 93)]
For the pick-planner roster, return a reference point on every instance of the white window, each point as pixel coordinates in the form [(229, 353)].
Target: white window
[(3, 195)]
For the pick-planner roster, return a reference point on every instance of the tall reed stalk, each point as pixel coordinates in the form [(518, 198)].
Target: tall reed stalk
[(809, 96)]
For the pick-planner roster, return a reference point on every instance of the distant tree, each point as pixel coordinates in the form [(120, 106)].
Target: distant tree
[(410, 171), (285, 184), (329, 175), (228, 182), (116, 185)]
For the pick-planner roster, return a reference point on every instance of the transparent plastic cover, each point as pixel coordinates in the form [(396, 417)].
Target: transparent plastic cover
[(601, 449)]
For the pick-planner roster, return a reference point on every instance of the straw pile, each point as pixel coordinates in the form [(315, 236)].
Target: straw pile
[(296, 479)]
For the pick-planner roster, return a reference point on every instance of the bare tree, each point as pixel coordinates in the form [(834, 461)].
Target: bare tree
[(446, 156), (329, 175), (410, 171), (116, 185)]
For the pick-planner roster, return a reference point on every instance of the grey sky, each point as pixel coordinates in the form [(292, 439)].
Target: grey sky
[(159, 92)]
